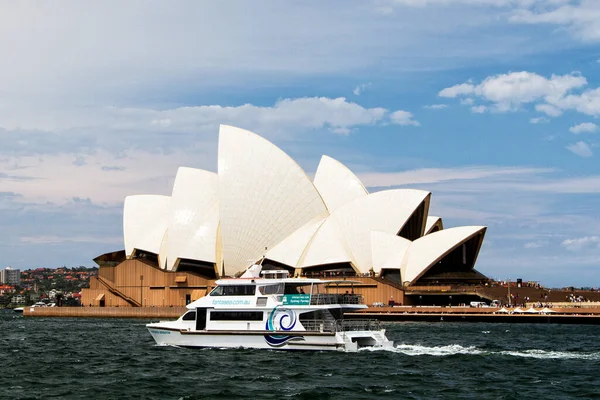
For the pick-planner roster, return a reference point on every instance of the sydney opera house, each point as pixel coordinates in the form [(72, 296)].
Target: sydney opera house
[(261, 206)]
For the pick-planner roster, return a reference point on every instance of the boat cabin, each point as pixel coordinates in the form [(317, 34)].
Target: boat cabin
[(246, 303)]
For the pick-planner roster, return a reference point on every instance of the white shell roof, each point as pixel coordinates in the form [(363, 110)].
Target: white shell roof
[(337, 184), (428, 250), (145, 220), (164, 247), (386, 211), (264, 196), (432, 222), (290, 249), (194, 216), (326, 247), (388, 250), (262, 203)]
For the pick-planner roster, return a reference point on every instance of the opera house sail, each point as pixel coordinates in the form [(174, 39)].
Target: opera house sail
[(261, 206)]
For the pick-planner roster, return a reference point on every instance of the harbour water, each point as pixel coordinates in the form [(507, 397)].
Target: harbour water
[(43, 358)]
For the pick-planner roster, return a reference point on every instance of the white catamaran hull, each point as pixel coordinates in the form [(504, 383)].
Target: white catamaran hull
[(273, 312), (297, 340)]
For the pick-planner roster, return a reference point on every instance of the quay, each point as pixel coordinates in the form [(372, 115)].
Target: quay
[(562, 315), (105, 312)]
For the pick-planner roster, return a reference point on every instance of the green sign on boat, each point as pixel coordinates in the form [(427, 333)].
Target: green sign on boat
[(296, 299)]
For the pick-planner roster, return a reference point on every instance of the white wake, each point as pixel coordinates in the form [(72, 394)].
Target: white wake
[(457, 349)]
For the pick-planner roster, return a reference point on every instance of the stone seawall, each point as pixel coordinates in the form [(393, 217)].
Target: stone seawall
[(105, 312), (470, 314), (561, 315)]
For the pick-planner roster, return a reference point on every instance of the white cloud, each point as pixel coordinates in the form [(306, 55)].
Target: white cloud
[(78, 56), (588, 184), (509, 91), (290, 115), (580, 18), (548, 110), (582, 149), (51, 239), (341, 131), (482, 179), (581, 243), (584, 127), (403, 118), (53, 179), (539, 120), (361, 88), (137, 153), (436, 106), (536, 244), (458, 90), (163, 123), (109, 47), (467, 101), (493, 3), (478, 109), (587, 102), (433, 175)]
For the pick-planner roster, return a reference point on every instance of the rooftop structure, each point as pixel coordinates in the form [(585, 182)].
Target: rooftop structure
[(262, 207), (10, 276)]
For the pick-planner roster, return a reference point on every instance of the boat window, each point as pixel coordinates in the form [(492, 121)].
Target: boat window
[(236, 315), (271, 289), (275, 274), (189, 316), (261, 302), (218, 291), (294, 289), (234, 290)]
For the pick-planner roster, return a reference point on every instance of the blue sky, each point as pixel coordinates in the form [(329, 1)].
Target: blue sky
[(490, 104)]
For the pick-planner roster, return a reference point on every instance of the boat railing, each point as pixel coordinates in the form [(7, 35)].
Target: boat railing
[(320, 325), (358, 325), (335, 298)]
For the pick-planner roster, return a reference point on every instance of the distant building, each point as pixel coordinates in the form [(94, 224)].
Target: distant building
[(4, 289), (19, 299), (10, 276)]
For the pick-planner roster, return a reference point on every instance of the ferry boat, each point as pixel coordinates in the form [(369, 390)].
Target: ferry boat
[(270, 310)]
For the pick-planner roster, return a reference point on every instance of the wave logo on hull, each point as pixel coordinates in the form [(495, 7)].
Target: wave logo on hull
[(281, 320)]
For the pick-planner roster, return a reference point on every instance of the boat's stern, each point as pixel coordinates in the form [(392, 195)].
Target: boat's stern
[(363, 334), (355, 340)]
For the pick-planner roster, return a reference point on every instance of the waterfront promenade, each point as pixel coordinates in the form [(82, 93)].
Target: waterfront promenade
[(585, 314), (565, 313), (105, 312)]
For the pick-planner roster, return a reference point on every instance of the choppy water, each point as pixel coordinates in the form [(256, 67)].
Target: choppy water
[(117, 359)]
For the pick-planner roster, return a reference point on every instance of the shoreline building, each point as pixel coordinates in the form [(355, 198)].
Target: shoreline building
[(261, 206), (10, 276)]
